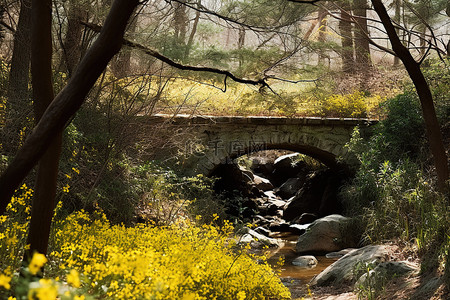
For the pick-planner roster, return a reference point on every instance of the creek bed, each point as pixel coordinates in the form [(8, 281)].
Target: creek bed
[(294, 277)]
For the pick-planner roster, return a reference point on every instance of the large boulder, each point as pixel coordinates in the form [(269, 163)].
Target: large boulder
[(329, 234), (317, 196), (287, 166), (343, 270), (262, 165), (290, 187), (234, 181)]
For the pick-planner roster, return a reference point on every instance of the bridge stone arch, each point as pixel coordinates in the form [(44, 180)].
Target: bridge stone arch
[(212, 141)]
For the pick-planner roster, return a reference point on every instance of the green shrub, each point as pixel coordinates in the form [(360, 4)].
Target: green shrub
[(392, 193)]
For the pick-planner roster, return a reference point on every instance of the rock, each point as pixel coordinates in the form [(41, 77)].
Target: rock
[(285, 167), (260, 220), (289, 188), (298, 229), (338, 254), (270, 195), (327, 234), (305, 218), (261, 183), (306, 261), (232, 181), (386, 271), (342, 271), (262, 230), (263, 166), (317, 196), (256, 240), (279, 226), (248, 176)]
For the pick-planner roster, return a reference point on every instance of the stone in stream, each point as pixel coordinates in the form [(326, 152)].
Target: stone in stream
[(328, 234), (298, 229), (338, 254), (279, 226), (261, 183), (285, 167), (289, 188), (342, 270), (256, 240), (305, 218), (262, 165), (262, 230), (317, 196), (306, 261)]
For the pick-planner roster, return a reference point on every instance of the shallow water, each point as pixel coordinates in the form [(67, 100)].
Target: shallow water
[(288, 270)]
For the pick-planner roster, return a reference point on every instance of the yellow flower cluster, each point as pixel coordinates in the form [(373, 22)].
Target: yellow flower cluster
[(182, 261), (13, 230), (37, 262), (355, 105)]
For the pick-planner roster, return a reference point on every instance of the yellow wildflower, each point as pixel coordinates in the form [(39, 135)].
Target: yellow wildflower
[(73, 278), (37, 262), (4, 281), (81, 297)]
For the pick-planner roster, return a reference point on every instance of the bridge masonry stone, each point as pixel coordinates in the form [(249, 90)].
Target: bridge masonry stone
[(214, 140)]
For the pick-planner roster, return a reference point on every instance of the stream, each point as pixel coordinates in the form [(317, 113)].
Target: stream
[(294, 277)]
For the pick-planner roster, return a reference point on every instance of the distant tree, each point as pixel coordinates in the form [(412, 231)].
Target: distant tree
[(18, 94), (71, 47), (346, 33), (362, 49)]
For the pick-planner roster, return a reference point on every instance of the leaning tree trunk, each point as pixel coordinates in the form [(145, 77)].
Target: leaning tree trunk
[(425, 96), (69, 100)]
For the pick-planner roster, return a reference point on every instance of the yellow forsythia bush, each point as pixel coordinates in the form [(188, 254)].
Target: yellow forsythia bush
[(355, 105), (91, 259), (182, 261)]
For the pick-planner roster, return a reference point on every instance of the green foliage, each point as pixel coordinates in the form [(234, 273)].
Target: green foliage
[(437, 73), (391, 192), (404, 128), (371, 284)]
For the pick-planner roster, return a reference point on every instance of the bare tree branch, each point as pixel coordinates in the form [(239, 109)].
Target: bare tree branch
[(261, 82)]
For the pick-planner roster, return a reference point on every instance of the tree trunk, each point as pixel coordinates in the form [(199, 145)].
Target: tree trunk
[(362, 49), (18, 97), (397, 5), (180, 23), (69, 100), (41, 73), (240, 44), (193, 31), (72, 42), (345, 30), (425, 96), (323, 23)]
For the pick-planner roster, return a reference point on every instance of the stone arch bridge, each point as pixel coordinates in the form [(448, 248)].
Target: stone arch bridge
[(212, 140)]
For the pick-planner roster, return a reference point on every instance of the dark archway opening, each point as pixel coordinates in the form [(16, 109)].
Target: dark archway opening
[(281, 189)]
